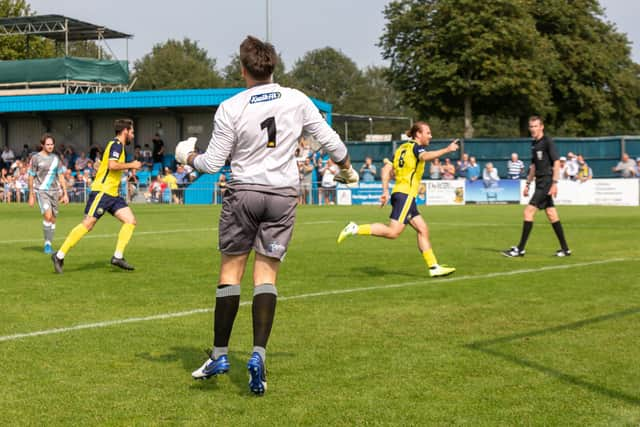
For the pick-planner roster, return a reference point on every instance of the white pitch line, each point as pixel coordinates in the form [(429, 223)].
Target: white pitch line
[(304, 296), (143, 233)]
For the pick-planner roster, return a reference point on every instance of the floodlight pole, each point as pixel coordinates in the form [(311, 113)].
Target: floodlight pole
[(268, 21), (66, 37)]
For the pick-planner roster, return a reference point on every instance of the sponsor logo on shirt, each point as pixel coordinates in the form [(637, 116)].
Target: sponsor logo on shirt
[(539, 154), (265, 97)]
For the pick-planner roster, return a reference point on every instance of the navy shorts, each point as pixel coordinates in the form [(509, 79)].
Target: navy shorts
[(100, 202), (403, 207)]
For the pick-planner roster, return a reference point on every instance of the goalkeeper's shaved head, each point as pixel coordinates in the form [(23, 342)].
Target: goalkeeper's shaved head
[(258, 58)]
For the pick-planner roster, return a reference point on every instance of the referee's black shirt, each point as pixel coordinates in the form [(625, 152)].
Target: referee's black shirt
[(543, 154)]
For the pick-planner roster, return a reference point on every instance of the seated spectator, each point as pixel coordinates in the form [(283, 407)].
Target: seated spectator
[(368, 171), (515, 167), (584, 171), (69, 158), (626, 167), (448, 170), (155, 190), (473, 171), (462, 166), (94, 152), (490, 176), (22, 184), (435, 169), (81, 162)]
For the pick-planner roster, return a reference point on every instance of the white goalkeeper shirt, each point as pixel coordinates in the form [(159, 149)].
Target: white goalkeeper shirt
[(260, 128)]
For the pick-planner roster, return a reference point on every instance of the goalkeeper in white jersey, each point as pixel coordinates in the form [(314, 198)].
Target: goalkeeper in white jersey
[(259, 129)]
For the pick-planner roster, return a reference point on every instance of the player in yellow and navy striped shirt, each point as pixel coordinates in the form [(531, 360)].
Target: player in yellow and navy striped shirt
[(104, 197), (407, 166)]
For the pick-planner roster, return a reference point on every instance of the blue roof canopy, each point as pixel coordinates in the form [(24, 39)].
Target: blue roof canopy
[(128, 100)]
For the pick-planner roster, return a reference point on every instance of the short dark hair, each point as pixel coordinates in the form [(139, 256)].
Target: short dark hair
[(121, 124), (46, 136), (258, 58), (535, 118), (411, 133)]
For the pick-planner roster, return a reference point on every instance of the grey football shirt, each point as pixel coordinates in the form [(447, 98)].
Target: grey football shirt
[(45, 170)]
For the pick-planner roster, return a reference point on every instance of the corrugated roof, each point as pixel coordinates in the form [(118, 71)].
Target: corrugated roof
[(52, 27), (128, 100)]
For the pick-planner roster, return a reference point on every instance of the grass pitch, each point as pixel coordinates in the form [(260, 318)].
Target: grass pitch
[(362, 335)]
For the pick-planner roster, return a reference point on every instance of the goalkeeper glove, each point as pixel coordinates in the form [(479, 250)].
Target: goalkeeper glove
[(184, 148), (347, 176)]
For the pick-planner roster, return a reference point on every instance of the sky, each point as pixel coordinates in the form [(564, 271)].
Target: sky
[(297, 26)]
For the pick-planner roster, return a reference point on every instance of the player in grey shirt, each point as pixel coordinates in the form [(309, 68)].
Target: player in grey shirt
[(46, 182), (259, 129)]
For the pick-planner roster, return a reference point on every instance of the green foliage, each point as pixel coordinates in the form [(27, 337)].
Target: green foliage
[(373, 342), (176, 65), (21, 47), (511, 59)]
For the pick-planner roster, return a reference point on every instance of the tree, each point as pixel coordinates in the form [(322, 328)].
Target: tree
[(594, 83), (21, 46), (176, 65), (456, 57), (331, 76)]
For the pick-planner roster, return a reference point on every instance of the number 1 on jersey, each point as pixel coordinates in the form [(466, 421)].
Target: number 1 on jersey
[(270, 124)]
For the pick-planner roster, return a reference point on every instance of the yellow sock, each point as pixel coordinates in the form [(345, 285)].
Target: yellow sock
[(126, 231), (364, 230), (74, 237), (430, 257)]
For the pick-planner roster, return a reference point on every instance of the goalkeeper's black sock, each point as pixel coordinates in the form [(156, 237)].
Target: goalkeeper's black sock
[(557, 227), (227, 303), (263, 310), (526, 230)]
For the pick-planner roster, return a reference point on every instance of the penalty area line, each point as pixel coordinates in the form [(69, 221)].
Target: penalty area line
[(165, 316)]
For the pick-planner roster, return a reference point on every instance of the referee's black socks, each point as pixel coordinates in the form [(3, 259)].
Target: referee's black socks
[(557, 227), (526, 230)]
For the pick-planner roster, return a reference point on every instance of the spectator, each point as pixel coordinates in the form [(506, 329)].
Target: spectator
[(222, 186), (158, 149), (462, 166), (328, 182), (22, 184), (81, 162), (70, 182), (626, 167), (147, 158), (69, 157), (368, 171), (94, 152), (435, 169), (8, 157), (584, 171), (572, 166), (473, 171), (132, 184), (181, 176), (515, 167), (24, 155), (306, 180), (156, 189), (490, 176), (137, 154), (172, 184), (638, 166), (563, 168), (448, 170)]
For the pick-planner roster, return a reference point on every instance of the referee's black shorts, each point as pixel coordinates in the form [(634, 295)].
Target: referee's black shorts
[(541, 198)]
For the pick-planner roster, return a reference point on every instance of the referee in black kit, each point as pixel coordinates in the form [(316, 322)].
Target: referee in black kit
[(545, 167)]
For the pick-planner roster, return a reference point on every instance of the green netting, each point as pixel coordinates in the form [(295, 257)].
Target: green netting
[(67, 68)]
